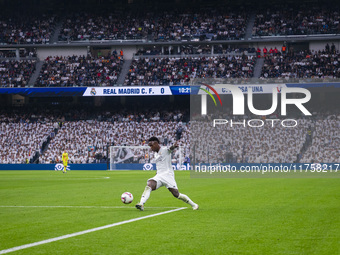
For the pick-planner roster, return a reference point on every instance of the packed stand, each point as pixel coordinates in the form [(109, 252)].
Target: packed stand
[(301, 20), (176, 25), (80, 71), (179, 71), (325, 141), (86, 141), (22, 137), (33, 138), (16, 73), (301, 65), (26, 29), (148, 23), (239, 144)]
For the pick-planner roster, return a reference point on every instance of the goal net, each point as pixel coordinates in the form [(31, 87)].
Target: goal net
[(139, 158)]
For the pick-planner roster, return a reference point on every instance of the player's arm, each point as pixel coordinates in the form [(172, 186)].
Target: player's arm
[(174, 146)]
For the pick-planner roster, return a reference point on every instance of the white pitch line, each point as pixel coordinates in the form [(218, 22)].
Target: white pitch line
[(86, 231), (77, 206), (73, 178)]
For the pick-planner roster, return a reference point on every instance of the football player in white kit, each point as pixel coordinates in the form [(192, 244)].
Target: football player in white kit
[(165, 175)]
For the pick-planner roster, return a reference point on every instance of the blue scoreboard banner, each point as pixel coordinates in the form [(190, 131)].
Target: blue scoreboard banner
[(100, 91), (45, 92), (150, 90)]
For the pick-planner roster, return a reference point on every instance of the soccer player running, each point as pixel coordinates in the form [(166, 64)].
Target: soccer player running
[(165, 175), (65, 160)]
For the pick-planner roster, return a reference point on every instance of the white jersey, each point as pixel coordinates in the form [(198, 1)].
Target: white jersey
[(163, 161)]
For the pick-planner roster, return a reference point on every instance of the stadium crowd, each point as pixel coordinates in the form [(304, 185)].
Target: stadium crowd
[(21, 136), (80, 71), (303, 64), (16, 73), (305, 20), (86, 140), (162, 24), (325, 142), (179, 71), (246, 144), (41, 138), (170, 25), (26, 29), (105, 70)]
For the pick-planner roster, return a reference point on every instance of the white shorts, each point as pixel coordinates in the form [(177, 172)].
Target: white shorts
[(165, 180)]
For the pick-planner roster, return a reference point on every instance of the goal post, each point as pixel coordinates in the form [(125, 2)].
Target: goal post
[(139, 158)]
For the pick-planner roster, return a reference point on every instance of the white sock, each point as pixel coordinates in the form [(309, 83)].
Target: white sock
[(145, 195), (186, 199)]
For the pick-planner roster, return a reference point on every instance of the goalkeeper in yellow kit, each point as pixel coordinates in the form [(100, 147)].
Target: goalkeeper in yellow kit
[(65, 160)]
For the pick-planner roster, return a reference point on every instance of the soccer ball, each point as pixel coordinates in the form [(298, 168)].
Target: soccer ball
[(126, 198)]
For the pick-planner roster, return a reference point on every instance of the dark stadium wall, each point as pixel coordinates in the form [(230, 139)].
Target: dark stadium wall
[(43, 53), (316, 46), (93, 104)]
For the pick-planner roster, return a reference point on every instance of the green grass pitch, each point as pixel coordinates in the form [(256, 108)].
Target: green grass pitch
[(236, 216)]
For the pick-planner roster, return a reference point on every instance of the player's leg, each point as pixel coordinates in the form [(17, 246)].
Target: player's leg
[(171, 184), (151, 185), (65, 166), (183, 197)]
